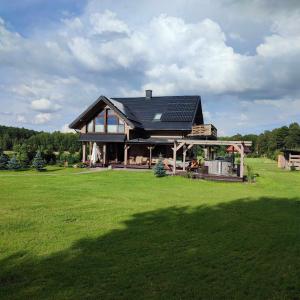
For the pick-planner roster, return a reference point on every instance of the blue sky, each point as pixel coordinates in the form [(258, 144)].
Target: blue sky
[(242, 57)]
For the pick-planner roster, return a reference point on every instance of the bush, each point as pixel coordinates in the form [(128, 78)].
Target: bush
[(14, 164), (38, 162), (250, 174), (159, 169), (189, 174), (23, 158), (3, 160)]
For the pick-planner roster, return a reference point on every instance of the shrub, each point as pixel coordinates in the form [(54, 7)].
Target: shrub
[(3, 160), (22, 157), (250, 174), (189, 174), (159, 169), (38, 162), (14, 164)]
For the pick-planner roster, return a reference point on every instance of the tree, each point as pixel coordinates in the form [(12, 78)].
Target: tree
[(23, 157), (13, 164), (3, 160), (38, 162), (159, 169)]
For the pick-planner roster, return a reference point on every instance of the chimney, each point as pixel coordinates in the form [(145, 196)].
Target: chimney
[(148, 94)]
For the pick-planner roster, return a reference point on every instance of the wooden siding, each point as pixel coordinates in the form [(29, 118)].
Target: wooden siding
[(294, 161), (207, 130)]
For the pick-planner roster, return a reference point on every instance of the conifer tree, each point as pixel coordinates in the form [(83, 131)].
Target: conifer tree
[(23, 157), (13, 164), (3, 160), (159, 169), (38, 162)]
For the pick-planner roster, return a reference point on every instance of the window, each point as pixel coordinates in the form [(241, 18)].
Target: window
[(112, 122), (157, 117), (90, 127), (121, 127), (100, 122), (106, 121)]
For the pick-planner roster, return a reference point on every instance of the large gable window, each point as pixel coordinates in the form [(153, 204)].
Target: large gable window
[(100, 122), (112, 122), (90, 127), (106, 121)]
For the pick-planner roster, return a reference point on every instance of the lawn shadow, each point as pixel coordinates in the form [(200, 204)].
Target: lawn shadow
[(246, 249)]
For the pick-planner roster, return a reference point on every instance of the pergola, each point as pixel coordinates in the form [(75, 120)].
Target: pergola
[(187, 144)]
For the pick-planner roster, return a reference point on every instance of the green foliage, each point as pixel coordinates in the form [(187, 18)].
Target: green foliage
[(159, 169), (250, 174), (14, 164), (189, 174), (38, 162), (71, 159), (22, 157), (3, 160), (270, 142), (12, 137)]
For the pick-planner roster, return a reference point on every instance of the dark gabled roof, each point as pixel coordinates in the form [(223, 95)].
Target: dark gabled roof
[(93, 110), (174, 112)]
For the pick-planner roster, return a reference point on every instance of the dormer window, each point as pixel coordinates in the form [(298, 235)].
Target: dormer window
[(157, 117)]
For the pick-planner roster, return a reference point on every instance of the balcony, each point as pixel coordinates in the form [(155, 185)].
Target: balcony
[(207, 131)]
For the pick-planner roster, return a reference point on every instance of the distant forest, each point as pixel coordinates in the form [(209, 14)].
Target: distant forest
[(268, 143), (13, 137), (271, 142)]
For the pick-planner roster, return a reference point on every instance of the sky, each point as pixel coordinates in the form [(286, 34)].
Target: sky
[(242, 57)]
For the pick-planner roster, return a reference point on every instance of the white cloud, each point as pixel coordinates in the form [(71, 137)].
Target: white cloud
[(103, 52), (42, 118), (65, 129), (44, 105), (107, 22), (21, 119)]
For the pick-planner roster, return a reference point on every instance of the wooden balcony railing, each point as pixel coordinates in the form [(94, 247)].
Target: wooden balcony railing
[(205, 130)]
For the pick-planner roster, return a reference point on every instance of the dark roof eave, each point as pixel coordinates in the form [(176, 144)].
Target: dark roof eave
[(75, 124)]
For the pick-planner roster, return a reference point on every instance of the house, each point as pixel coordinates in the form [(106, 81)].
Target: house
[(134, 131)]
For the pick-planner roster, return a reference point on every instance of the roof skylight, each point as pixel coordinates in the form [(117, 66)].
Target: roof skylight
[(157, 117)]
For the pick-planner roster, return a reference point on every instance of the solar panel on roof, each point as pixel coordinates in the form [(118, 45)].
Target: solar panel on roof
[(179, 112)]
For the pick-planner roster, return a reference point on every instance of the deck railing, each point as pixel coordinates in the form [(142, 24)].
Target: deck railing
[(205, 130)]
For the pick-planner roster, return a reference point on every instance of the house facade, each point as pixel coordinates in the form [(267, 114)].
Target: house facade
[(135, 131)]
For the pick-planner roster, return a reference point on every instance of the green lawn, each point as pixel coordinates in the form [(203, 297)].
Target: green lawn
[(129, 235)]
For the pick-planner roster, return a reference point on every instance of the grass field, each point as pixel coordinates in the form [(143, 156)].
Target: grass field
[(129, 235)]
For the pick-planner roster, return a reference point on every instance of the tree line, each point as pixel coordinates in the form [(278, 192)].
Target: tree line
[(54, 145), (271, 142), (12, 137), (28, 146)]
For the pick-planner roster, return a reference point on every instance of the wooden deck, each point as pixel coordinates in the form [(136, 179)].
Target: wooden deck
[(212, 177)]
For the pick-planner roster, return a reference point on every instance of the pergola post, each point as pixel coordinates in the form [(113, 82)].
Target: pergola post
[(150, 156), (242, 161), (184, 157), (83, 152), (126, 147), (206, 154), (104, 154), (174, 157)]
